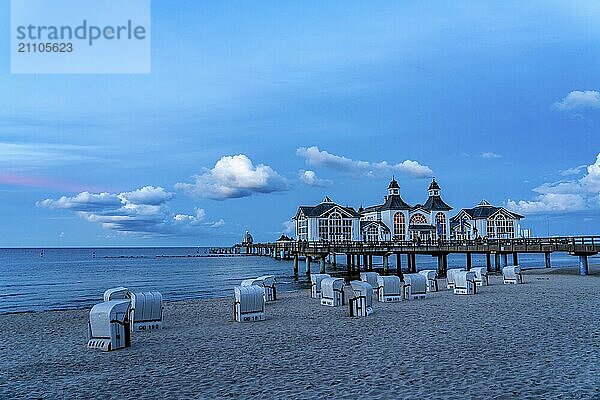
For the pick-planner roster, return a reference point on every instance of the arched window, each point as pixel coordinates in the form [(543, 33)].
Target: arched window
[(504, 227), (335, 226), (399, 226), (372, 233), (440, 222), (418, 219)]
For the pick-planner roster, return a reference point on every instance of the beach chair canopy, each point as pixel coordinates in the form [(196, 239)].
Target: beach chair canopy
[(331, 285), (391, 285), (369, 277), (462, 277), (317, 279), (267, 280), (104, 314), (363, 289), (417, 282), (117, 293), (147, 306), (450, 274), (429, 274), (479, 272), (511, 271), (251, 298)]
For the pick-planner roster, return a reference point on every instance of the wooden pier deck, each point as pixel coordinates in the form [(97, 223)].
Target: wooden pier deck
[(499, 249)]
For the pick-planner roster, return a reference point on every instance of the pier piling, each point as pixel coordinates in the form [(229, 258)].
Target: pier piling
[(497, 261), (547, 259), (583, 264), (296, 266)]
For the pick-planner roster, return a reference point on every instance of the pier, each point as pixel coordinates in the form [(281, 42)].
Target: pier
[(359, 255)]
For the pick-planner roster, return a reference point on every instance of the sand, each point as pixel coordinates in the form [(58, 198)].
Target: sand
[(531, 341)]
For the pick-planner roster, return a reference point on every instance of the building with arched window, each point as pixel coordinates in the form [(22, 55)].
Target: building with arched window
[(485, 220), (398, 221), (327, 221)]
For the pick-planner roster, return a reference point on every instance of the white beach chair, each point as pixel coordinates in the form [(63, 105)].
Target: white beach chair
[(371, 279), (360, 299), (249, 304), (109, 326), (268, 282), (390, 288), (315, 284), (464, 282), (415, 286), (450, 276), (431, 276), (147, 311), (481, 276), (332, 292), (512, 274), (117, 293)]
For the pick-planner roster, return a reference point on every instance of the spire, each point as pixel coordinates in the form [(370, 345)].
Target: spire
[(434, 188), (327, 199), (393, 187)]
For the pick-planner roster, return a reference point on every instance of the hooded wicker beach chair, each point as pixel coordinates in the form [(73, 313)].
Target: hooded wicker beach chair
[(249, 303), (415, 286), (332, 292)]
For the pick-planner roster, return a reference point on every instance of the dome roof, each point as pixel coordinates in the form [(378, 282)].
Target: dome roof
[(247, 238), (393, 184)]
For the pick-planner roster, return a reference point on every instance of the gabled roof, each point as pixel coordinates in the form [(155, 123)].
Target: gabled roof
[(392, 202), (419, 207), (364, 224), (484, 210), (323, 208), (436, 203)]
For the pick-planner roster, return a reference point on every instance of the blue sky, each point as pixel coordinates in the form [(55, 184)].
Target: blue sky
[(497, 100)]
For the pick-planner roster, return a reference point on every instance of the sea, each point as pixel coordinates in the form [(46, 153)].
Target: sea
[(36, 279)]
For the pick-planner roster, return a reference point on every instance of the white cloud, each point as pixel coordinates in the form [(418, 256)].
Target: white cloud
[(489, 154), (548, 202), (317, 158), (573, 171), (142, 212), (218, 224), (579, 100), (310, 178), (568, 195), (234, 177)]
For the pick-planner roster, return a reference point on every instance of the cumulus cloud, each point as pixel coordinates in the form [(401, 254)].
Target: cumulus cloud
[(142, 212), (310, 178), (566, 195), (489, 154), (234, 177), (321, 158), (579, 100)]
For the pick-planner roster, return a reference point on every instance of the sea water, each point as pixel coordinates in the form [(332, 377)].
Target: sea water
[(54, 279)]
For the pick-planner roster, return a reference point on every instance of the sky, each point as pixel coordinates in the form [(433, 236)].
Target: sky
[(254, 108)]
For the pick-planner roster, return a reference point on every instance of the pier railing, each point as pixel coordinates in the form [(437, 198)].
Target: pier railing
[(569, 244)]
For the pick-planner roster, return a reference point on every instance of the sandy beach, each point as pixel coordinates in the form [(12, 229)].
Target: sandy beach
[(531, 341)]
